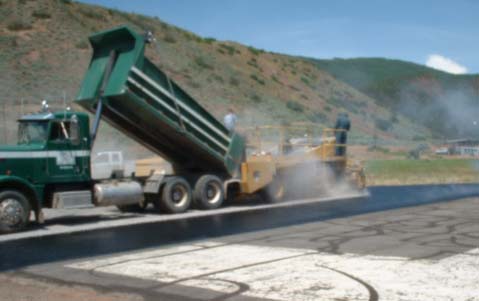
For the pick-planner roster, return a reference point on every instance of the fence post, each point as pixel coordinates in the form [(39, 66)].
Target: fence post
[(4, 115)]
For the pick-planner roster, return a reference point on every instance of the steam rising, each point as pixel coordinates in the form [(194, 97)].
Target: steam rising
[(315, 179), (454, 112)]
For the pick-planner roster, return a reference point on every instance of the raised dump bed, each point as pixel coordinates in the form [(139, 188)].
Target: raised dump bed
[(141, 101)]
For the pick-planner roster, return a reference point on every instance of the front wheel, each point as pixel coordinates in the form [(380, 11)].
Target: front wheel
[(209, 192), (14, 211), (175, 197)]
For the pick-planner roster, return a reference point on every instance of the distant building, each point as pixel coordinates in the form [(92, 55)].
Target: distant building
[(463, 147)]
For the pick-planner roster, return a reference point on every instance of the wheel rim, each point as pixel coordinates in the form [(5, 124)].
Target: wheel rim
[(179, 195), (11, 212), (213, 192)]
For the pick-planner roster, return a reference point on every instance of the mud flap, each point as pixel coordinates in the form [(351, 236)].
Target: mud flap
[(153, 183)]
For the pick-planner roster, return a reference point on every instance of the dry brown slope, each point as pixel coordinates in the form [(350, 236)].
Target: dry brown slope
[(44, 51)]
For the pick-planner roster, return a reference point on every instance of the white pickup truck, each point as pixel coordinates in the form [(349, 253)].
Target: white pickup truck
[(104, 164)]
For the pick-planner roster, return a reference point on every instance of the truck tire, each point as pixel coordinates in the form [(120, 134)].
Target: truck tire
[(14, 211), (175, 197), (208, 192), (274, 193)]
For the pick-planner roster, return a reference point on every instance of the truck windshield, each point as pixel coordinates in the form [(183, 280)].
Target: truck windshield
[(32, 132)]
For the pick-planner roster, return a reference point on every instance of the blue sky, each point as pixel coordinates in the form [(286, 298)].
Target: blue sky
[(443, 34)]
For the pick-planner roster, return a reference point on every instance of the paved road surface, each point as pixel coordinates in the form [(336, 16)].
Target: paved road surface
[(428, 252)]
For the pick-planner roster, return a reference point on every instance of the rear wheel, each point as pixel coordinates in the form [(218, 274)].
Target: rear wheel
[(209, 192), (275, 192), (14, 211), (175, 197)]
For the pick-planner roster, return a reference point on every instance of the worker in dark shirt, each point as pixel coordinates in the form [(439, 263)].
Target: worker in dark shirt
[(343, 125)]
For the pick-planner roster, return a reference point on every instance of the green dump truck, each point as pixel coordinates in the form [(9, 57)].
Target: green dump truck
[(49, 167)]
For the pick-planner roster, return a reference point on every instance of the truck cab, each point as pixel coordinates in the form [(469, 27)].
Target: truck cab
[(52, 153)]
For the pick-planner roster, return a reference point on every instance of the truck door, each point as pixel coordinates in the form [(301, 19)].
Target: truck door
[(65, 156)]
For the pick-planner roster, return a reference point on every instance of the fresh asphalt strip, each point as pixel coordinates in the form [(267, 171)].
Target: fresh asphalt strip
[(15, 254)]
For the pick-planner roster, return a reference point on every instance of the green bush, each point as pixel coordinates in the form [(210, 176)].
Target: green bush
[(305, 80), (19, 25), (255, 51), (383, 124), (295, 106), (201, 62), (8, 41), (259, 80), (229, 49), (256, 98), (253, 62), (209, 40), (274, 78), (169, 38), (234, 81), (164, 26), (328, 108), (41, 14), (218, 78)]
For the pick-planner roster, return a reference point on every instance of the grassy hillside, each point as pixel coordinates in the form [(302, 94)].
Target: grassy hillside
[(44, 52), (443, 102)]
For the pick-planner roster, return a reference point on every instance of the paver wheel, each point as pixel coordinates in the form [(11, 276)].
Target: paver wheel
[(14, 211), (208, 192), (275, 192), (175, 197)]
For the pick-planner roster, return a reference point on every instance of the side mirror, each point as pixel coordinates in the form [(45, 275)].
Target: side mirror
[(75, 131)]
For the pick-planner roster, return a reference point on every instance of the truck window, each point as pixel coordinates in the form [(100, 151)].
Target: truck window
[(115, 158), (32, 132), (101, 158), (60, 131)]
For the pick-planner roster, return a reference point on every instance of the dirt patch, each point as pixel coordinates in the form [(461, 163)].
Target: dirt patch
[(14, 287)]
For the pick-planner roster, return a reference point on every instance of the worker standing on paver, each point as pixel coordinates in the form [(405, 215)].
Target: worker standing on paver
[(230, 120), (343, 125)]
